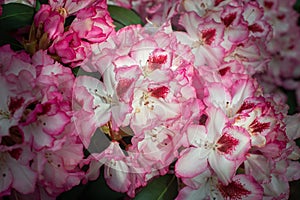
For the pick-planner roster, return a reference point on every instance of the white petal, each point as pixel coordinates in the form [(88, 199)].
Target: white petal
[(192, 162)]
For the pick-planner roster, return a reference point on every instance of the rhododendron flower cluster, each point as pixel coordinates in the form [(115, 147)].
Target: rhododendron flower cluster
[(284, 47), (177, 95)]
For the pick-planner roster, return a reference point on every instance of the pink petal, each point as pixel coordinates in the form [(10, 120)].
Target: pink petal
[(6, 180), (259, 167), (241, 90), (190, 22), (236, 143), (242, 187), (24, 177), (191, 194), (293, 126), (197, 156), (196, 134), (217, 95), (117, 176), (238, 33), (276, 188), (215, 123), (293, 171), (55, 124), (224, 171)]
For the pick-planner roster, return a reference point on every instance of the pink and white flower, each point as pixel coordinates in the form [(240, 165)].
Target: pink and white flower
[(207, 186), (211, 144), (16, 172)]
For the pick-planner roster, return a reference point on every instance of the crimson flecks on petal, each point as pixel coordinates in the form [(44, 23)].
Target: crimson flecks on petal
[(155, 61), (227, 143), (15, 137), (257, 126), (45, 108), (234, 190), (228, 19), (15, 103), (159, 92), (217, 2), (255, 28), (159, 59), (268, 4), (224, 71), (16, 153), (245, 106), (208, 36)]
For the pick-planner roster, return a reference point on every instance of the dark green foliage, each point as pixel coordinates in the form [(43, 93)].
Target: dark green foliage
[(123, 17)]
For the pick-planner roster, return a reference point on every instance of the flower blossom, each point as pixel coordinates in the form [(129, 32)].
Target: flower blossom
[(212, 144), (206, 185)]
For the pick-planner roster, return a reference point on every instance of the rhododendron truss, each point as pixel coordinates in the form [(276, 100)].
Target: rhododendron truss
[(117, 98)]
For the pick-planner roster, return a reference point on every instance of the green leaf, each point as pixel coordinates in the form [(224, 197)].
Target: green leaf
[(162, 188), (98, 189), (123, 17), (75, 193), (43, 1), (15, 15), (37, 6), (6, 38), (118, 25), (297, 6), (291, 101)]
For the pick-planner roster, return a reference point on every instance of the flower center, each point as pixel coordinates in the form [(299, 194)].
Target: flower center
[(145, 101), (4, 115), (63, 12), (105, 99), (48, 156)]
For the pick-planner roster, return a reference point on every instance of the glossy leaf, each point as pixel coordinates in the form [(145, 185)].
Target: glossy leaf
[(15, 16), (123, 17), (162, 188)]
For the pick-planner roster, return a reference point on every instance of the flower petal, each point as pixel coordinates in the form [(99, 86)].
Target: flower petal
[(192, 162), (225, 169)]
